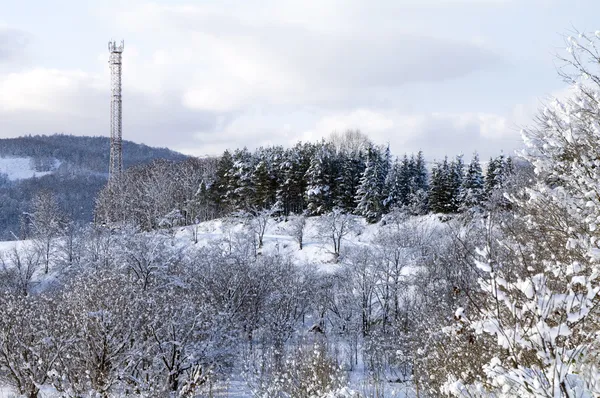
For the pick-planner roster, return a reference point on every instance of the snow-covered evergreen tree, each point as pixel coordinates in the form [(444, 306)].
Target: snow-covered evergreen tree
[(418, 200), (420, 174), (455, 181), (262, 184), (318, 182), (440, 194), (240, 191), (395, 186), (472, 189), (446, 181), (291, 178), (498, 169), (349, 172), (370, 193), (222, 182), (407, 179)]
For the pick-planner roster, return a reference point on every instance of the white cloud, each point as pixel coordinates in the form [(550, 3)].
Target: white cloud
[(437, 134), (244, 55), (207, 76), (47, 90), (366, 120)]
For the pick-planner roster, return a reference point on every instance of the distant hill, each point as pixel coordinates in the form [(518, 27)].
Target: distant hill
[(89, 153), (74, 168)]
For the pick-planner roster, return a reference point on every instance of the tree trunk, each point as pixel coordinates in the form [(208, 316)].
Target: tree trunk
[(34, 392)]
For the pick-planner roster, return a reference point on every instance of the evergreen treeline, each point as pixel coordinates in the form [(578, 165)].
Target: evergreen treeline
[(312, 179), (315, 178)]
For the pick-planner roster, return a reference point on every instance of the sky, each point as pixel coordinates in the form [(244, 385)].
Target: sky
[(446, 77)]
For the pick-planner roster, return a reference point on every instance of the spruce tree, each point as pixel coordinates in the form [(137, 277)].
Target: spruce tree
[(455, 181), (395, 186), (369, 196), (420, 174), (418, 185), (498, 170), (284, 189), (440, 192), (347, 182), (473, 187), (240, 192), (407, 177), (218, 190), (318, 178), (261, 181)]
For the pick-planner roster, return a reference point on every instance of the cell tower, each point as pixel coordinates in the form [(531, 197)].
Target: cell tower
[(116, 111)]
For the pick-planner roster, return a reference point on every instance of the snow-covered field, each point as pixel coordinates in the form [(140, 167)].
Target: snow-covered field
[(19, 168)]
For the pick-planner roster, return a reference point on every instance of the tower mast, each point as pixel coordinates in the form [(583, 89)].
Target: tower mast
[(116, 111)]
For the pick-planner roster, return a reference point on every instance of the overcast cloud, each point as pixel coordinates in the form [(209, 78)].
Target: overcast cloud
[(444, 76)]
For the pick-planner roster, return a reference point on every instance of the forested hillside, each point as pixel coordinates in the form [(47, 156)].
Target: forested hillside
[(79, 152), (73, 168)]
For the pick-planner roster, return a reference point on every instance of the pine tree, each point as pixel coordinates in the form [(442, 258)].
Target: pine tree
[(455, 181), (420, 174), (473, 187), (285, 188), (497, 172), (261, 181), (419, 193), (385, 164), (291, 184), (218, 190), (493, 174), (369, 196), (240, 190), (318, 178), (441, 198), (395, 186), (350, 170), (407, 179)]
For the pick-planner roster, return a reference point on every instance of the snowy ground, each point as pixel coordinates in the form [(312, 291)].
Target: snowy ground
[(10, 245)]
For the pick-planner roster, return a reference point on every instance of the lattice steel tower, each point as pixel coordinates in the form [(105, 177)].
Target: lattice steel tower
[(116, 111)]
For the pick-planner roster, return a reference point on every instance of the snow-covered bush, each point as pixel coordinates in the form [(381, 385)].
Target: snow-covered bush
[(307, 372), (540, 294)]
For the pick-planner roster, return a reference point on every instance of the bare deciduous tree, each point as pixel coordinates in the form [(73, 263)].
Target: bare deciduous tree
[(297, 224), (335, 226)]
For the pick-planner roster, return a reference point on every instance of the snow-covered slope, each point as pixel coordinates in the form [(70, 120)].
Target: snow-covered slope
[(19, 168), (317, 247)]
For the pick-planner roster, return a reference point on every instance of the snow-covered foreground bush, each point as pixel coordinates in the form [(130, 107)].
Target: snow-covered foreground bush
[(307, 371), (540, 281)]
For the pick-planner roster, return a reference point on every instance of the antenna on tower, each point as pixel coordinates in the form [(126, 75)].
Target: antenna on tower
[(116, 110)]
